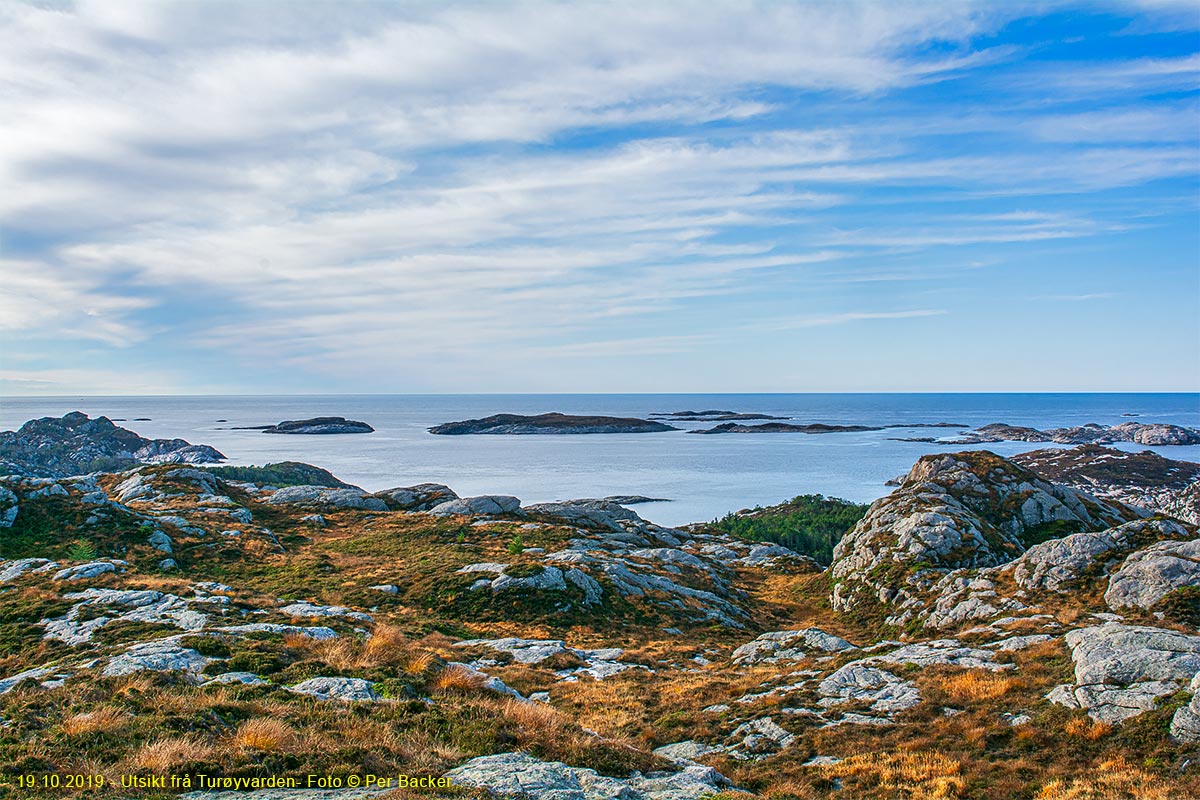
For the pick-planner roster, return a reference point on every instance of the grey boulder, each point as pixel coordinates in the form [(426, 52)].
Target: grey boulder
[(323, 496), (484, 505)]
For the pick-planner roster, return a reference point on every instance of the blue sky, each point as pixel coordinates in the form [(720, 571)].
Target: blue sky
[(577, 197)]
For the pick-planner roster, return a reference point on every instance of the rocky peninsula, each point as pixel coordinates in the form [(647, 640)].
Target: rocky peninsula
[(553, 423)]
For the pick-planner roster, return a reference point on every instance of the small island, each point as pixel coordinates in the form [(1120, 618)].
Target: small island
[(712, 415), (819, 427), (316, 426), (553, 423)]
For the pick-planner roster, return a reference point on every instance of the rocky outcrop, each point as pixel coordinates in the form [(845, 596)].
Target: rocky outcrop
[(521, 776), (318, 426), (162, 656), (484, 505), (517, 424), (421, 497), (858, 682), (75, 444), (347, 690), (8, 508), (1185, 725), (590, 513), (1057, 564), (281, 473), (1149, 575), (964, 510), (789, 646), (1121, 671), (324, 497)]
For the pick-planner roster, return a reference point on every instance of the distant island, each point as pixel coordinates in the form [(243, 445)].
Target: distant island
[(312, 427), (712, 416), (1155, 433), (554, 423), (819, 427)]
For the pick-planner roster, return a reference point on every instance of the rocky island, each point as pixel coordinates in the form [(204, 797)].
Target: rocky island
[(75, 444), (553, 423), (313, 427), (987, 630)]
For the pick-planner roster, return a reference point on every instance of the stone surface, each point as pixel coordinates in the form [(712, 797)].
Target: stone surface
[(585, 513), (1152, 573), (485, 505), (789, 646), (1185, 725), (758, 738), (955, 511), (305, 609), (858, 682), (325, 497), (1122, 670), (421, 497), (1058, 563), (8, 508), (164, 656), (79, 572), (343, 689), (520, 775), (11, 570)]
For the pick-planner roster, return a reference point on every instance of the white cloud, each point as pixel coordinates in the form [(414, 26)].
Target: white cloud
[(423, 181)]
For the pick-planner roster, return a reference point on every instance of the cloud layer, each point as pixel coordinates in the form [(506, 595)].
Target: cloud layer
[(584, 196)]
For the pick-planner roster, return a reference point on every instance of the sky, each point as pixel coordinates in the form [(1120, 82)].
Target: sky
[(318, 197)]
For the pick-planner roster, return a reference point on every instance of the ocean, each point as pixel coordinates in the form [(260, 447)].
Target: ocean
[(703, 477)]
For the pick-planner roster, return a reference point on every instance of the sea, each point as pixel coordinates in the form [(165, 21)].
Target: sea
[(699, 478)]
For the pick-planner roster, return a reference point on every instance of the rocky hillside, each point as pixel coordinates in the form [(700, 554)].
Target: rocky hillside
[(990, 635), (75, 444), (1145, 479)]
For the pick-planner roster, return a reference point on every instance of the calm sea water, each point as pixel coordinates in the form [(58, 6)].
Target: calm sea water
[(704, 476)]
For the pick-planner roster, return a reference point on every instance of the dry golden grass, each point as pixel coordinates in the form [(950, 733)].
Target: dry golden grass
[(791, 790), (612, 708), (102, 719), (1114, 779), (535, 720), (266, 734), (387, 645), (458, 679), (167, 754), (1087, 729), (977, 685), (918, 775)]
